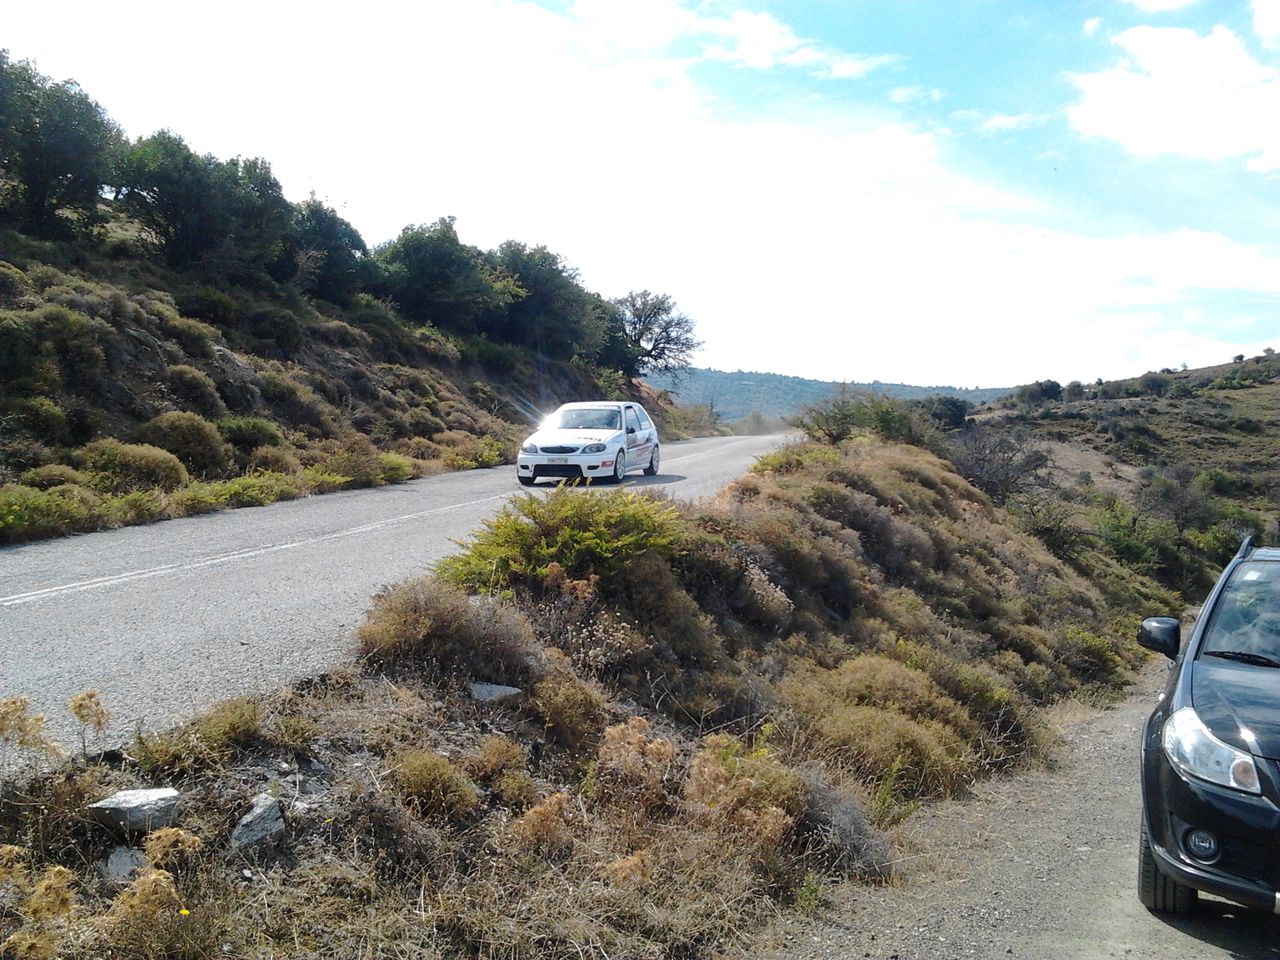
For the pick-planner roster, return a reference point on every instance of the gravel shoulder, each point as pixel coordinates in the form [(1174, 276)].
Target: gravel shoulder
[(1040, 865)]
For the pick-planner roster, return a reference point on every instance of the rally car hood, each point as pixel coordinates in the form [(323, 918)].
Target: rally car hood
[(573, 438)]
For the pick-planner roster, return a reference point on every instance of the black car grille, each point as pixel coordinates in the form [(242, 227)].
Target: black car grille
[(568, 470), (558, 449)]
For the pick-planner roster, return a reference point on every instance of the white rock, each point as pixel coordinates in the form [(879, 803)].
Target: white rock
[(264, 823), (121, 865), (493, 692), (137, 811)]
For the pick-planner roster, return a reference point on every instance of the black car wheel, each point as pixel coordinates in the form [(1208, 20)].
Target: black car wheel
[(1157, 891), (654, 462)]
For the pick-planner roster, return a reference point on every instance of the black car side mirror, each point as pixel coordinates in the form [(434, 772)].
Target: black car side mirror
[(1161, 634), (631, 430)]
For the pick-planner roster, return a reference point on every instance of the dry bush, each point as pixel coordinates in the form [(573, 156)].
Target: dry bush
[(197, 388), (53, 475), (571, 710), (634, 768), (655, 600), (545, 829), (495, 756), (877, 681), (836, 832), (192, 439), (208, 740), (516, 789), (273, 460), (124, 467), (934, 761), (432, 784), (429, 620), (171, 847)]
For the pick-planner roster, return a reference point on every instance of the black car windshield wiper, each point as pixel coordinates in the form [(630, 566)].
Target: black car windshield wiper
[(1242, 656)]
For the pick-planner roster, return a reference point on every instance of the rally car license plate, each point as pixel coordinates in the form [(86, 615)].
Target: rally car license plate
[(557, 460)]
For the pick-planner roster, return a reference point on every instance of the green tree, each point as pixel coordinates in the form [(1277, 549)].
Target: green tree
[(330, 258), (557, 316), (229, 215), (659, 337), (435, 278), (56, 146)]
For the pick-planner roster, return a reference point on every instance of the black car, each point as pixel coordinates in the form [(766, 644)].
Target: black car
[(1211, 748)]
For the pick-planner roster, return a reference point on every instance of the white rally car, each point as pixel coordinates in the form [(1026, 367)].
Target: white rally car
[(605, 438)]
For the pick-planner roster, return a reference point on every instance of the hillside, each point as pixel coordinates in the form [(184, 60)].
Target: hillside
[(176, 336), (1170, 469), (712, 711), (736, 395)]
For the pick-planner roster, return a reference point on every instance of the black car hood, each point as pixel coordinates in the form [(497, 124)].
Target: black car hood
[(1230, 697)]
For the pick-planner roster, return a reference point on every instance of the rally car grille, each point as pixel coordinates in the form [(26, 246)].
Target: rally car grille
[(558, 449)]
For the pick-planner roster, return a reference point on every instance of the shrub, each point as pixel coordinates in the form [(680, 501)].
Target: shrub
[(583, 534), (795, 457), (933, 760), (41, 416), (497, 755), (427, 619), (30, 514), (53, 475), (273, 460), (571, 710), (197, 388), (192, 439), (545, 828), (433, 784), (837, 833), (196, 338), (13, 282), (249, 433), (395, 468), (123, 467), (208, 740), (633, 767)]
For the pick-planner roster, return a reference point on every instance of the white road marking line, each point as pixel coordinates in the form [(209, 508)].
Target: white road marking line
[(145, 574)]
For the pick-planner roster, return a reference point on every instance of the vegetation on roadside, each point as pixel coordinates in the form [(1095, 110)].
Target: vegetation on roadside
[(720, 708), (177, 337)]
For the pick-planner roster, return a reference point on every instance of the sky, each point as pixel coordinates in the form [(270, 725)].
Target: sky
[(958, 192)]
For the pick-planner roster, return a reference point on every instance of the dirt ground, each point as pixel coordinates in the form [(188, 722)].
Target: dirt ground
[(1037, 866)]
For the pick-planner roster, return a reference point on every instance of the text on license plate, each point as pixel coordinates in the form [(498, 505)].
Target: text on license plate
[(557, 460)]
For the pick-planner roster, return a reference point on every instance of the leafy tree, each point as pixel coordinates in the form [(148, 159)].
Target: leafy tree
[(226, 214), (330, 257), (948, 412), (56, 145), (841, 416), (557, 316), (658, 336), (1032, 394), (435, 278), (1073, 392)]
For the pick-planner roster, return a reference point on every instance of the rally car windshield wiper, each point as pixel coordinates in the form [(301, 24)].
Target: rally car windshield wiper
[(1243, 656)]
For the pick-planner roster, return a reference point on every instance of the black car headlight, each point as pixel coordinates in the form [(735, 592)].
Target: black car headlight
[(529, 448), (1193, 749), (594, 448)]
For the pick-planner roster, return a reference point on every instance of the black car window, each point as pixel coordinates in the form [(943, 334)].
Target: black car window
[(588, 418), (1246, 616), (632, 421)]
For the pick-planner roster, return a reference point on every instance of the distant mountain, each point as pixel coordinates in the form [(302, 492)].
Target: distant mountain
[(735, 395)]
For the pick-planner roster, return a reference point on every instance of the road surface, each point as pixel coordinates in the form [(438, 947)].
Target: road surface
[(166, 618)]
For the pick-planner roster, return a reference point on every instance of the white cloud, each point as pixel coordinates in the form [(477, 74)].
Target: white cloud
[(820, 245), (1177, 92), (1091, 26), (915, 94), (762, 41), (1266, 22), (1004, 122), (1161, 6)]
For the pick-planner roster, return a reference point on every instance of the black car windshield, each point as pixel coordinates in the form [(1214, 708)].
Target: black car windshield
[(585, 418), (1245, 623)]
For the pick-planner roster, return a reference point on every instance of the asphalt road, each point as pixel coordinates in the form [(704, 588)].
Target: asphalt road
[(167, 618)]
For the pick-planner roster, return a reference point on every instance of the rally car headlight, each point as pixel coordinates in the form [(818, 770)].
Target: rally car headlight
[(593, 448)]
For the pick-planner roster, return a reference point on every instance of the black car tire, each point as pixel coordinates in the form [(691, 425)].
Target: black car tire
[(619, 467), (654, 461), (1158, 892), (525, 481)]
